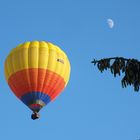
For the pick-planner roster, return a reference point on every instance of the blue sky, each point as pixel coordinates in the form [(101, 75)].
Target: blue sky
[(93, 106)]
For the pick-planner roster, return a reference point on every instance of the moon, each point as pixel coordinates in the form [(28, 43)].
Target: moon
[(110, 23)]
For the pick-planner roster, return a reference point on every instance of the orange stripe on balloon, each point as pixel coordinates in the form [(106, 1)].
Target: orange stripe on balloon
[(36, 79)]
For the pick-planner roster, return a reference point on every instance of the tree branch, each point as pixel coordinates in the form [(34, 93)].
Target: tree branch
[(130, 67)]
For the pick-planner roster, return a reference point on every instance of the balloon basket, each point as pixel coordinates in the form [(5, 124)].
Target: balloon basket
[(35, 116)]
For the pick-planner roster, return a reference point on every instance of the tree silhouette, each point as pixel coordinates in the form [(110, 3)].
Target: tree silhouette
[(118, 65)]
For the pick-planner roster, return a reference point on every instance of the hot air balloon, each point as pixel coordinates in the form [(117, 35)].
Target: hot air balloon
[(37, 72)]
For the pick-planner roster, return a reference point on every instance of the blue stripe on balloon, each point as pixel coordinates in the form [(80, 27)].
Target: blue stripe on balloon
[(31, 97)]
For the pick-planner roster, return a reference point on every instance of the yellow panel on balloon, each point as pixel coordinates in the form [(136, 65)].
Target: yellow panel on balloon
[(37, 54)]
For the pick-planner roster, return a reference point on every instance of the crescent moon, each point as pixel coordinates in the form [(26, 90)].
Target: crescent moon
[(110, 23)]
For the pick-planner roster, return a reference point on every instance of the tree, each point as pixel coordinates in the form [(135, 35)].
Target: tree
[(118, 65)]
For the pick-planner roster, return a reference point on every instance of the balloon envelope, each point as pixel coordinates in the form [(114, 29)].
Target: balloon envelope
[(37, 72)]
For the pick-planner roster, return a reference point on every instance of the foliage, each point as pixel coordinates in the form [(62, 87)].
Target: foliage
[(130, 68)]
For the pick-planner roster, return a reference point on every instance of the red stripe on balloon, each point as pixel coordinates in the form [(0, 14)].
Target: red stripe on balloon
[(36, 79)]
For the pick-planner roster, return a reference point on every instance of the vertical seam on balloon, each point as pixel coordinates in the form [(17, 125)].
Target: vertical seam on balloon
[(19, 59), (59, 83), (52, 76), (52, 73), (67, 72), (13, 85), (28, 70), (37, 66), (39, 96), (44, 75), (64, 72), (46, 68), (19, 52), (12, 63), (58, 80), (6, 70)]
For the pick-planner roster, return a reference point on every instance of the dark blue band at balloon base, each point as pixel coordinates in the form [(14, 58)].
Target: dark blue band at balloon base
[(35, 97)]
